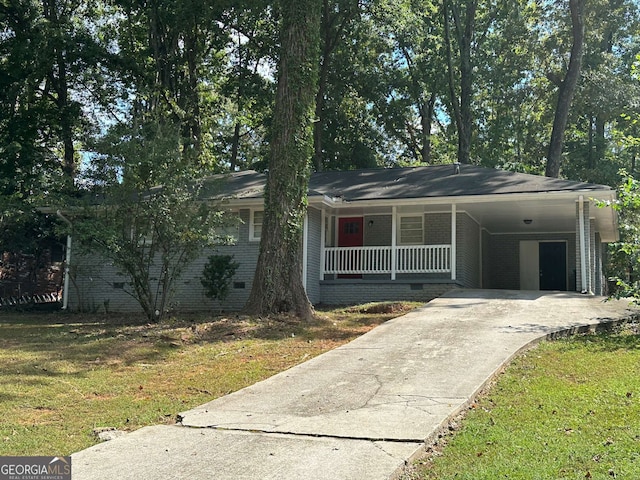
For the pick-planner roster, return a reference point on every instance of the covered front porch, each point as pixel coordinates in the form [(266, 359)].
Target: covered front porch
[(423, 247), (399, 243)]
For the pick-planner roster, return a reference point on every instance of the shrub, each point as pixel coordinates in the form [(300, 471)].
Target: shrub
[(217, 275)]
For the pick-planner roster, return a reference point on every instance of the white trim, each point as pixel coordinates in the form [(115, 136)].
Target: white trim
[(454, 243), (606, 194), (394, 241), (252, 236), (480, 254), (499, 197), (583, 255), (552, 232)]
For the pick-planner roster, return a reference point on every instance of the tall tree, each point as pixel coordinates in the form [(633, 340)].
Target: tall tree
[(605, 92), (510, 125), (463, 17), (277, 285), (248, 91), (46, 53), (415, 79), (336, 18), (169, 57), (345, 132), (567, 89)]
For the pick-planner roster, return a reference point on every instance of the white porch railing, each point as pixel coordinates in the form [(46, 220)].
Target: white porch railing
[(378, 260)]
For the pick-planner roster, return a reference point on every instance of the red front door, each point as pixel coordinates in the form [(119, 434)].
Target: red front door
[(350, 234)]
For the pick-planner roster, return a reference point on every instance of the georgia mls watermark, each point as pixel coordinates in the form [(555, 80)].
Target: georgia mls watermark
[(35, 468)]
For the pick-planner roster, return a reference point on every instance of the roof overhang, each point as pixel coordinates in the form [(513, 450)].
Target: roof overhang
[(549, 212)]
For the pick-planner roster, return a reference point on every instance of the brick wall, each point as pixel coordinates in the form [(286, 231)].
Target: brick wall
[(377, 230), (314, 226), (468, 251), (190, 294), (99, 285), (501, 258), (342, 292), (437, 228), (486, 265)]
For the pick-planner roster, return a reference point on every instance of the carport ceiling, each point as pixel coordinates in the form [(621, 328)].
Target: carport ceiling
[(509, 217), (546, 215)]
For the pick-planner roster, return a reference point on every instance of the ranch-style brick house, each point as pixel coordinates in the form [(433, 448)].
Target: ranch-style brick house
[(406, 234)]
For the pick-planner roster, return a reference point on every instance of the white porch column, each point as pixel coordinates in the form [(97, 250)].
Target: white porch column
[(305, 250), (394, 229), (323, 235), (453, 241), (584, 242)]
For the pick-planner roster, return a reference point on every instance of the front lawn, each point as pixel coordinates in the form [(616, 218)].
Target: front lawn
[(568, 409), (64, 375)]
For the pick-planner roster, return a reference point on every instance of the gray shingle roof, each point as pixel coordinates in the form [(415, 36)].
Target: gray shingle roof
[(404, 183), (437, 181)]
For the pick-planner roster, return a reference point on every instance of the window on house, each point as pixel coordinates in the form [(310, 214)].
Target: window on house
[(229, 233), (411, 230), (143, 236), (255, 227)]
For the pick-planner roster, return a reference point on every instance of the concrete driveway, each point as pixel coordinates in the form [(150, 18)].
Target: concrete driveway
[(360, 411)]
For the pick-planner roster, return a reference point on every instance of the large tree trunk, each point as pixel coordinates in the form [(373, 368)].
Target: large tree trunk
[(567, 90), (426, 119), (334, 22), (277, 284), (58, 80), (461, 107)]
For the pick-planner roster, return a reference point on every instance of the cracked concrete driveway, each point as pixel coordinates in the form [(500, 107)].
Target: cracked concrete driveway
[(357, 412)]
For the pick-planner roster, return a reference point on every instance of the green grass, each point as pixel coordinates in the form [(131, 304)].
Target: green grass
[(62, 376), (568, 409)]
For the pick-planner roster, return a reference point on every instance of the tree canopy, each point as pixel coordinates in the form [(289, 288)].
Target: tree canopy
[(526, 86), (400, 82)]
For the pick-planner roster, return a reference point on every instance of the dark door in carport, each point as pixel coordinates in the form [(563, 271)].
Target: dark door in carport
[(553, 265)]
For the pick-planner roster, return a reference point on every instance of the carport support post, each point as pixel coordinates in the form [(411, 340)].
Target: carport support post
[(453, 241), (583, 238)]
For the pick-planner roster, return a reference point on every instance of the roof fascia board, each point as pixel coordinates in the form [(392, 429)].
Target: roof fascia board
[(501, 197), (314, 200)]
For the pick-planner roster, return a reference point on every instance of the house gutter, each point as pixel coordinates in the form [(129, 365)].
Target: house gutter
[(67, 260), (462, 199)]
